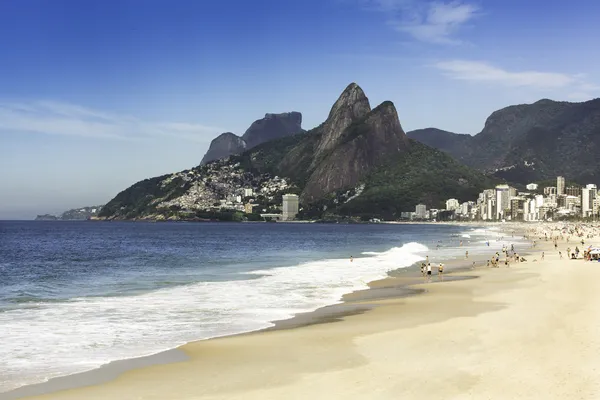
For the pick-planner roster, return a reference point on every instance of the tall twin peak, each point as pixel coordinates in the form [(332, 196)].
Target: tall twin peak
[(350, 114)]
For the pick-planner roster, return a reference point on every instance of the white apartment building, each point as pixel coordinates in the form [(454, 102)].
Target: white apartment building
[(452, 204), (290, 207)]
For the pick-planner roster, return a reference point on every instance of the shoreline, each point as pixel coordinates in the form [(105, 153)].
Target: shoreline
[(400, 283)]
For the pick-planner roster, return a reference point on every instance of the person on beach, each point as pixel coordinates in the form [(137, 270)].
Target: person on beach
[(441, 272), (429, 272), (473, 266), (560, 255), (542, 256), (568, 252), (351, 259), (467, 255), (423, 270)]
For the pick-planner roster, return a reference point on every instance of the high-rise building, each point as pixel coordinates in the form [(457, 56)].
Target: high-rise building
[(560, 185), (502, 200), (290, 207), (421, 211), (588, 194), (573, 191), (452, 204)]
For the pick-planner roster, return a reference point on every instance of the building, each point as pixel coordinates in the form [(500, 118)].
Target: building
[(248, 192), (573, 191), (588, 194), (517, 208), (290, 207), (452, 204), (560, 185), (503, 194), (421, 211), (550, 190), (532, 186)]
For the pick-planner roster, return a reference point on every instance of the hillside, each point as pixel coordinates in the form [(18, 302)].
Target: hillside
[(359, 162), (75, 214), (530, 142)]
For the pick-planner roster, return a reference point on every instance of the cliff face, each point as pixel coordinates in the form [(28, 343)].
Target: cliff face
[(351, 106), (223, 146), (272, 126), (365, 143), (530, 141)]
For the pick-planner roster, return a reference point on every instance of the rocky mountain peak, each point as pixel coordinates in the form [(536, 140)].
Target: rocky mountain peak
[(369, 141), (273, 126), (351, 106), (224, 145)]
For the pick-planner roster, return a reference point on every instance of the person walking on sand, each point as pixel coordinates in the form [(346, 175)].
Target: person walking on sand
[(441, 272), (542, 256), (429, 272), (467, 255), (560, 255), (473, 266), (351, 259), (423, 270)]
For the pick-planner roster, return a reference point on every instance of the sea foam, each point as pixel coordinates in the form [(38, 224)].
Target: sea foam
[(56, 339)]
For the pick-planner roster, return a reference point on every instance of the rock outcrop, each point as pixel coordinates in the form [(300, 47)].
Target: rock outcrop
[(369, 140), (223, 146), (351, 106), (271, 127)]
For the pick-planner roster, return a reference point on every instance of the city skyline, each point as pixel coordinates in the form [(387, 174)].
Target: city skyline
[(504, 202), (97, 96)]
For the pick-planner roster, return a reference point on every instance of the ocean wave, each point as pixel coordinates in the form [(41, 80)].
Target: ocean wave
[(85, 333)]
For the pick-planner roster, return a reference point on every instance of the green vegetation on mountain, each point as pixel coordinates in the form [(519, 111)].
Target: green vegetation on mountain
[(530, 142), (359, 162)]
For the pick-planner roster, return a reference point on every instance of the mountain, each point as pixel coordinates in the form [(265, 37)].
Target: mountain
[(359, 162), (223, 146), (454, 143), (272, 126), (76, 214), (530, 142)]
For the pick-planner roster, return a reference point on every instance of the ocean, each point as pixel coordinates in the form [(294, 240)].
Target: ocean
[(77, 295)]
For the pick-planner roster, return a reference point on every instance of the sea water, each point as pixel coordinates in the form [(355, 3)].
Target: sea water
[(77, 295)]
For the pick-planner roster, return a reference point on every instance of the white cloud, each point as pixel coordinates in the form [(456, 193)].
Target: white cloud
[(483, 72), (427, 21), (56, 118)]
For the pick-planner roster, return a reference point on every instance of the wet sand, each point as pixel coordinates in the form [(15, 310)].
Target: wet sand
[(402, 338)]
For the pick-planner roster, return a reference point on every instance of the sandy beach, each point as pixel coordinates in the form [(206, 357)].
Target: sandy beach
[(525, 332)]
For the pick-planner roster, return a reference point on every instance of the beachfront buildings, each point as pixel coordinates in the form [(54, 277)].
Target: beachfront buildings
[(588, 194), (290, 207), (421, 211), (452, 204)]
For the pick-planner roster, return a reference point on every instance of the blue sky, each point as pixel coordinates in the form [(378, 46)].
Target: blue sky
[(96, 95)]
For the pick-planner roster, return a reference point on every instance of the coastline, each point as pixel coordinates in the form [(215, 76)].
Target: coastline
[(402, 283)]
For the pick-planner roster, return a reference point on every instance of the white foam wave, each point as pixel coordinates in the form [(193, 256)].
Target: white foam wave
[(86, 333)]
